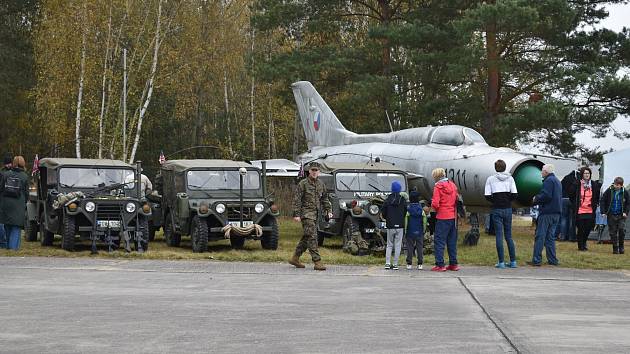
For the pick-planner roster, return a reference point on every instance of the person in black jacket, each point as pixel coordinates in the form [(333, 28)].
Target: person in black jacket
[(583, 194), (615, 203), (394, 211)]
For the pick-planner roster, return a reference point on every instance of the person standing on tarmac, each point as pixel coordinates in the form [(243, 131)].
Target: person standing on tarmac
[(310, 198)]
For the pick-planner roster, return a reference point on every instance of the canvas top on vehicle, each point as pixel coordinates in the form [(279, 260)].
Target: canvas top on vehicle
[(185, 165), (56, 162)]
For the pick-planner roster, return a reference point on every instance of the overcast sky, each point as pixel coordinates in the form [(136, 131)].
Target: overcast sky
[(619, 17)]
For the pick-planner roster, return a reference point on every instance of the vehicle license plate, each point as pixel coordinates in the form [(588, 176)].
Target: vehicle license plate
[(113, 224), (238, 223)]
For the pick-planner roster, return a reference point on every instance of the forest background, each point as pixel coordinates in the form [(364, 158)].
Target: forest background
[(127, 79)]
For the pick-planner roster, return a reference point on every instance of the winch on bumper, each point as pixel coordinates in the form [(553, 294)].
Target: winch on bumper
[(229, 217)]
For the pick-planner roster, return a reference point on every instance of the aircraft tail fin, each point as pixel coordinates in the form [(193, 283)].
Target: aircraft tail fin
[(321, 126)]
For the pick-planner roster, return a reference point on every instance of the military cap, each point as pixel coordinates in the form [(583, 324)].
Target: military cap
[(314, 165)]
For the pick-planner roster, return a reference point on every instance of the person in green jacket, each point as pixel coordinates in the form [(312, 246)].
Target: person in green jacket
[(13, 201)]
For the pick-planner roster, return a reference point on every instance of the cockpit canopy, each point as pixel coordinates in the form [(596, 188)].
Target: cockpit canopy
[(455, 135)]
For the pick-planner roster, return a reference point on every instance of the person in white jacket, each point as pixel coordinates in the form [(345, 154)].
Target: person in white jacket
[(501, 191)]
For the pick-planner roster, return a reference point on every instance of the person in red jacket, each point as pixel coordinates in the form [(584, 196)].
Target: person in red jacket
[(444, 203)]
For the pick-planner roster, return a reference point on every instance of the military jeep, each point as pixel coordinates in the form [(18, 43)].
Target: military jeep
[(357, 192), (94, 199), (203, 199)]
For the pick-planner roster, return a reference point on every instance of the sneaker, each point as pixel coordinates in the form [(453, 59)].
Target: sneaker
[(408, 266), (388, 266), (453, 267), (419, 266), (500, 265), (438, 269), (395, 267), (512, 264), (534, 264)]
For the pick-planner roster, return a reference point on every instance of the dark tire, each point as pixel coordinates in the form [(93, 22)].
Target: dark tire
[(45, 237), (30, 230), (172, 238), (68, 233), (152, 231), (143, 226), (346, 231), (199, 235), (269, 240), (237, 242)]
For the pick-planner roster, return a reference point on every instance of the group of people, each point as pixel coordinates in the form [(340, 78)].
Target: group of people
[(13, 197), (500, 190)]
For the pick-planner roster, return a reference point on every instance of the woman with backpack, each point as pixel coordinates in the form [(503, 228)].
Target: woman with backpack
[(13, 201)]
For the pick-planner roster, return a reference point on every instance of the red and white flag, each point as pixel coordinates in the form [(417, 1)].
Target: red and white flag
[(162, 159)]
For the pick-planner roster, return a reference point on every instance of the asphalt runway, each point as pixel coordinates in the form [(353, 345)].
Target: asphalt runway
[(64, 305)]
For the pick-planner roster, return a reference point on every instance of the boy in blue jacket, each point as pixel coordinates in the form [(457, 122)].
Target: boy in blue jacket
[(415, 229)]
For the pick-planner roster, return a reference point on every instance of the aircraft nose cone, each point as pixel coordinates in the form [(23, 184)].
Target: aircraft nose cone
[(528, 183)]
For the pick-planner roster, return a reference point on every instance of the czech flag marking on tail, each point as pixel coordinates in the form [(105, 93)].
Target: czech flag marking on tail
[(317, 121)]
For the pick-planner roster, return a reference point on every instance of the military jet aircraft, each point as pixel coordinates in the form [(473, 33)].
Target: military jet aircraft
[(461, 151)]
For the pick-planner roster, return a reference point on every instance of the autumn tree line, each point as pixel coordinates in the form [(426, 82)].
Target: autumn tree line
[(126, 79)]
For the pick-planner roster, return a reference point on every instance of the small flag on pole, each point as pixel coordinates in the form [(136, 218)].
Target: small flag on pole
[(35, 165), (162, 159), (301, 173)]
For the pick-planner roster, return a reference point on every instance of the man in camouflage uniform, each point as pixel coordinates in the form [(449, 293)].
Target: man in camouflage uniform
[(310, 198)]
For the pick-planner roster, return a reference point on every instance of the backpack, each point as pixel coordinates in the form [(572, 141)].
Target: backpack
[(12, 186)]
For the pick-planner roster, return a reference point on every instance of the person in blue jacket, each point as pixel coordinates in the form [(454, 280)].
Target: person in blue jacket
[(415, 230), (549, 201)]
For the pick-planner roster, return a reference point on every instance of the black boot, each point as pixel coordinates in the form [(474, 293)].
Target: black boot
[(615, 250)]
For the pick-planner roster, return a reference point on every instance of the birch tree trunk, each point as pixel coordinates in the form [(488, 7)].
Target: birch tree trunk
[(252, 103), (77, 131), (227, 111), (105, 62), (145, 105)]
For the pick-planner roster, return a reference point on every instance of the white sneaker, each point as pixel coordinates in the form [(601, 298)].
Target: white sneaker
[(408, 266), (388, 266), (419, 266)]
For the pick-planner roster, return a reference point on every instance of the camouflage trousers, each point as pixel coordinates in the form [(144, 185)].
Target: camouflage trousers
[(308, 241)]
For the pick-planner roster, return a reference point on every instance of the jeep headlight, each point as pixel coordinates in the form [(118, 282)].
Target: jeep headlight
[(220, 208), (373, 209), (90, 207), (130, 207), (258, 208)]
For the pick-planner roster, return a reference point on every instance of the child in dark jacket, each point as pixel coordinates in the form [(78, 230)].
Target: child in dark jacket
[(394, 211), (415, 230)]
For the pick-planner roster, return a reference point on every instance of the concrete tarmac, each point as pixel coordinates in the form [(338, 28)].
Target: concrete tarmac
[(65, 305)]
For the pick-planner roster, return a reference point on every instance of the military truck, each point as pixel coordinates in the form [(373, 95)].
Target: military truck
[(98, 200), (203, 199), (357, 192)]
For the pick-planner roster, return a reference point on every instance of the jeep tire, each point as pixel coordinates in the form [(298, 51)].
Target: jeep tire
[(152, 231), (172, 238), (45, 237), (30, 230), (320, 238), (67, 233), (199, 235), (269, 239)]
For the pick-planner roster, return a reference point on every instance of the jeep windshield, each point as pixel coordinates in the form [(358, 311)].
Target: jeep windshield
[(368, 181), (81, 177), (221, 180)]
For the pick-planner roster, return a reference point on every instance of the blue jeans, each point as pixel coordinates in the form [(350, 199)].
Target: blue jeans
[(14, 235), (3, 237), (445, 233), (544, 236), (502, 219)]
